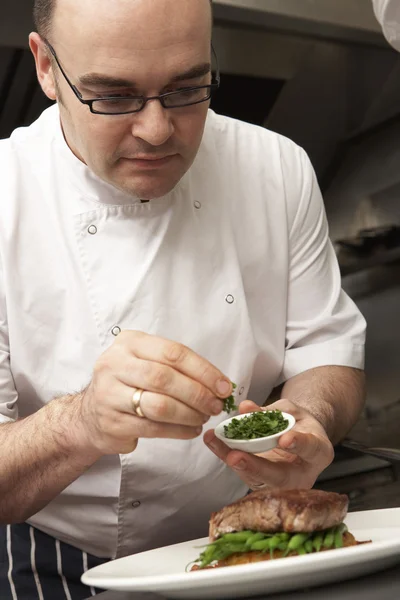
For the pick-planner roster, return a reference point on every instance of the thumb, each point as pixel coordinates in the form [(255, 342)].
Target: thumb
[(248, 406)]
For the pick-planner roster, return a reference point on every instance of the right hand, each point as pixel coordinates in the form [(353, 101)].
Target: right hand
[(181, 393)]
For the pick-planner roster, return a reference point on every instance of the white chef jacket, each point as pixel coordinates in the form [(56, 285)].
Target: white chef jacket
[(388, 14), (235, 263)]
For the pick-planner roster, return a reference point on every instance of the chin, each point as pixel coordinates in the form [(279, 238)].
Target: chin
[(146, 190)]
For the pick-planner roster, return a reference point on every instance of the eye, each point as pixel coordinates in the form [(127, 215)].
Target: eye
[(119, 104)]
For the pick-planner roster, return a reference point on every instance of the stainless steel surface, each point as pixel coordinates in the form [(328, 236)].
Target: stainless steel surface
[(350, 20), (384, 585), (390, 454), (344, 468), (356, 14)]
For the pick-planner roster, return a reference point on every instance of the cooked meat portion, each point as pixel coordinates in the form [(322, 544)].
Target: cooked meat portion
[(275, 510)]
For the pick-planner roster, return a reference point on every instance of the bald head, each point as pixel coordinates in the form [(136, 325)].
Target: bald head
[(118, 49), (43, 13)]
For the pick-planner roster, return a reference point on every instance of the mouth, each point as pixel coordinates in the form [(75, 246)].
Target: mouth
[(151, 162)]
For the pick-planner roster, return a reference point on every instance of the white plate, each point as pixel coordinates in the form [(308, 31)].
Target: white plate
[(163, 570)]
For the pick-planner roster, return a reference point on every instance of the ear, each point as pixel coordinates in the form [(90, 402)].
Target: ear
[(44, 67)]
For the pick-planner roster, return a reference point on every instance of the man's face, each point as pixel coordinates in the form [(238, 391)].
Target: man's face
[(133, 47)]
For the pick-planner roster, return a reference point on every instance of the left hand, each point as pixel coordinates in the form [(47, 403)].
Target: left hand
[(302, 454)]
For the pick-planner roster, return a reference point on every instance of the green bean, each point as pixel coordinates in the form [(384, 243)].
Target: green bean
[(329, 538), (340, 530), (233, 548), (298, 540), (308, 545), (238, 536), (261, 545), (283, 546), (285, 537), (207, 556), (318, 541), (219, 541), (274, 544), (342, 527), (338, 539), (301, 550), (256, 537)]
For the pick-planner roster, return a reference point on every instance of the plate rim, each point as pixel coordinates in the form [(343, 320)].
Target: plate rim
[(154, 582)]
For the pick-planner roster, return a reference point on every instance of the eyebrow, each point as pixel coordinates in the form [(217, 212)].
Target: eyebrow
[(96, 80)]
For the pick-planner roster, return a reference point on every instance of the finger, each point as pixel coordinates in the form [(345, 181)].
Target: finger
[(217, 446), (179, 357), (124, 426), (166, 381), (309, 447), (165, 409), (253, 470), (248, 406), (259, 472)]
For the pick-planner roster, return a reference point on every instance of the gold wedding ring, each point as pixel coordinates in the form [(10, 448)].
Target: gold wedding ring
[(259, 486), (136, 398)]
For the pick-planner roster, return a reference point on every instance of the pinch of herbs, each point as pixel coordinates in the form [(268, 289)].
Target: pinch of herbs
[(229, 403)]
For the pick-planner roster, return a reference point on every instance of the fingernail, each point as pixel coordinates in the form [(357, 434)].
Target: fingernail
[(211, 445), (199, 430), (240, 466), (224, 387), (217, 407)]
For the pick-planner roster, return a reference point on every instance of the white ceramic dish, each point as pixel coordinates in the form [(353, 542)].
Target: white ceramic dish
[(253, 446), (163, 570)]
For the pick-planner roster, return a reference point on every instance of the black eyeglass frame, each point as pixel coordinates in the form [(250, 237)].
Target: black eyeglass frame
[(212, 87)]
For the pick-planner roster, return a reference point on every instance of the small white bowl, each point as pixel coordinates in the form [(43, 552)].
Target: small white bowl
[(257, 445)]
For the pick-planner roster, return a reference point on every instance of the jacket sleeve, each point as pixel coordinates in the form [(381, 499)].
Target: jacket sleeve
[(324, 326), (8, 393), (387, 13)]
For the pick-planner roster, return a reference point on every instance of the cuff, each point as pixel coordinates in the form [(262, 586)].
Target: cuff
[(299, 360)]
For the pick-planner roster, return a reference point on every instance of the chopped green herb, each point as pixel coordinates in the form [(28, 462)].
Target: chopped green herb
[(257, 425), (229, 403)]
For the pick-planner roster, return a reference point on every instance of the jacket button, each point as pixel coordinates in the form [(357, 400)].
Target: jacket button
[(136, 504), (92, 230), (230, 299), (116, 330)]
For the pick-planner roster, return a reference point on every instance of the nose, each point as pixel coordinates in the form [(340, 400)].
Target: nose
[(153, 124)]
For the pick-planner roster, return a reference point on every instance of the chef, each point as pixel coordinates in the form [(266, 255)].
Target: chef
[(153, 252), (388, 14)]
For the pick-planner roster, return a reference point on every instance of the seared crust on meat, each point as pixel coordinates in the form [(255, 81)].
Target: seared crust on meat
[(276, 510)]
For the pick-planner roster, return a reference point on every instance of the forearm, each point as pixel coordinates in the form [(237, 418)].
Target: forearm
[(40, 456), (334, 395)]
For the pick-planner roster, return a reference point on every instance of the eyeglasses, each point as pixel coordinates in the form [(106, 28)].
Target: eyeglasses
[(124, 105)]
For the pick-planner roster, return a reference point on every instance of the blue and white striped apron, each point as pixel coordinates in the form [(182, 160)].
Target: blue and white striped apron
[(35, 566)]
